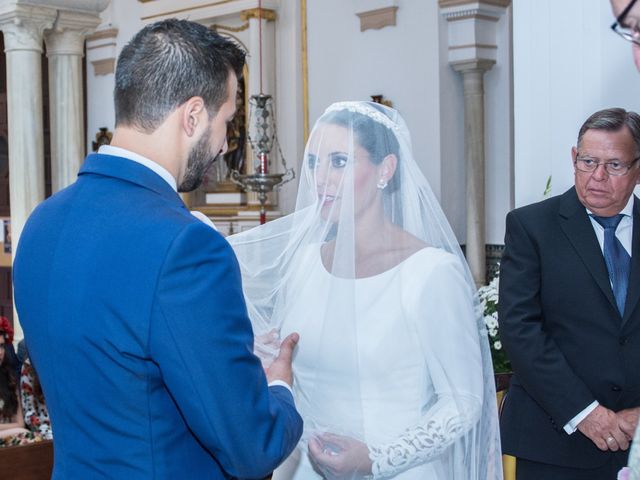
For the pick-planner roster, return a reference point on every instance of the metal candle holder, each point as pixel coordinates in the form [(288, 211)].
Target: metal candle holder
[(262, 137)]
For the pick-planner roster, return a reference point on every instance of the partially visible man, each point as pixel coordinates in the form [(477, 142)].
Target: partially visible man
[(627, 24), (132, 308), (570, 317)]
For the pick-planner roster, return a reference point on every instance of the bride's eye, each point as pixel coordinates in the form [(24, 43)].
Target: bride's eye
[(338, 160), (312, 161)]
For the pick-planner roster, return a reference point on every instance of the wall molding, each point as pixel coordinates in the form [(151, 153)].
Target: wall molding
[(378, 18)]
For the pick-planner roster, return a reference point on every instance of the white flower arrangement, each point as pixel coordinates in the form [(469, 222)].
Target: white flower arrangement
[(488, 296)]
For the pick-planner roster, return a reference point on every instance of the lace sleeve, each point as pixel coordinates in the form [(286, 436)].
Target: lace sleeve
[(425, 441), (442, 310)]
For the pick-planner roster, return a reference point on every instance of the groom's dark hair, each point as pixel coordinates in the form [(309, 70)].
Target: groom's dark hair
[(165, 64)]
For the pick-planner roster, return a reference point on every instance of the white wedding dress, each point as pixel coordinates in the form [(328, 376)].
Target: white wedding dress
[(393, 351), (410, 351)]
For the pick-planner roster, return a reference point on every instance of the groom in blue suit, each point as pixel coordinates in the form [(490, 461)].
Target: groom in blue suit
[(132, 308)]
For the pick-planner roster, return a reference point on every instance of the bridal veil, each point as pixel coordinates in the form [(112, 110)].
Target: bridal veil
[(393, 351)]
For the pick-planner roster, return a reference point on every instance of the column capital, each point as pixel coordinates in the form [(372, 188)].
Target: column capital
[(23, 27), (69, 31), (473, 3), (473, 65), (472, 28)]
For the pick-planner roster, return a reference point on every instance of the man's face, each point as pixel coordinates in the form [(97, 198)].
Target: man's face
[(630, 21), (606, 195), (211, 143)]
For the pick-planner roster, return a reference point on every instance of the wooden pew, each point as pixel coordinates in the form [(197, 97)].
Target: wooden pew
[(27, 462)]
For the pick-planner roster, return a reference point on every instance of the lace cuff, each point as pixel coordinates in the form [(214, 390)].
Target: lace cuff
[(420, 444)]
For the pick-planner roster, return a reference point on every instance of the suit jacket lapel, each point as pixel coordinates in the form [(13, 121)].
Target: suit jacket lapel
[(633, 292), (575, 223)]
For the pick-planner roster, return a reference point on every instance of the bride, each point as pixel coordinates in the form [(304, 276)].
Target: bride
[(392, 374)]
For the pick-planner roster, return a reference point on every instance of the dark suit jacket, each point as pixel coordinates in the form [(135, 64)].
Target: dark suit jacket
[(135, 320), (564, 335)]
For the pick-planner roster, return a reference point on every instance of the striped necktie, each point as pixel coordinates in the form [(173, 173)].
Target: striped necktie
[(616, 257)]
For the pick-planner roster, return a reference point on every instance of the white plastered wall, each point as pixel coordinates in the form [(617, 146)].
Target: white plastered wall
[(407, 63), (568, 64)]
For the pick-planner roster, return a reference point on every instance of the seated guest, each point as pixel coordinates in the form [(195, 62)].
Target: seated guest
[(36, 416), (10, 352), (11, 419)]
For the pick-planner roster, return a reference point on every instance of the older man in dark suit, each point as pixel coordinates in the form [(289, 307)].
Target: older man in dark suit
[(570, 317)]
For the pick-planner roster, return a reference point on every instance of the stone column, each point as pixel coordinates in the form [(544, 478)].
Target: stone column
[(23, 48), (65, 48), (472, 52), (473, 81)]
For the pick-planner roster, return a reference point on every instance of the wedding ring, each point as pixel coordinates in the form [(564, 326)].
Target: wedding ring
[(610, 439)]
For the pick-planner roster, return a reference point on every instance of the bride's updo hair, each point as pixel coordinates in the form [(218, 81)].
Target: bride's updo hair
[(375, 137)]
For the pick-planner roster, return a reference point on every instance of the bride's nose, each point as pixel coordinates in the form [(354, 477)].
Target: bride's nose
[(322, 175)]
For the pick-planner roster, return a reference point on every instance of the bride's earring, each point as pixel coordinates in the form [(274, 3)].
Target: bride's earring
[(382, 184)]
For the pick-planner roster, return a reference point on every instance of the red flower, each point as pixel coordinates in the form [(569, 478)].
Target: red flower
[(7, 328)]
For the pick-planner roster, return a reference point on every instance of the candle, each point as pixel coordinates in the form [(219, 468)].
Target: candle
[(263, 163)]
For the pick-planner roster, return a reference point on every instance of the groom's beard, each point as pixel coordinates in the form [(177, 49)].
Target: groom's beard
[(199, 161)]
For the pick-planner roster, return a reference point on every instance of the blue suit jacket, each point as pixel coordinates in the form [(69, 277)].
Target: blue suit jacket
[(134, 317)]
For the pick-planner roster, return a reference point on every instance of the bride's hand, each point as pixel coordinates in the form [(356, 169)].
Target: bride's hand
[(266, 347), (338, 456)]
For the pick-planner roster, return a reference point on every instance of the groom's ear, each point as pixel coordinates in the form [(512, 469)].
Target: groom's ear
[(193, 115)]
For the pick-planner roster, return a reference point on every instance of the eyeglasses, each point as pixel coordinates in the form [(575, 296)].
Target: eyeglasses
[(629, 34), (614, 168)]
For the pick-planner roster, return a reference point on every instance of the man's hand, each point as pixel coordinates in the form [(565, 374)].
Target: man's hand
[(601, 426), (628, 421), (280, 369)]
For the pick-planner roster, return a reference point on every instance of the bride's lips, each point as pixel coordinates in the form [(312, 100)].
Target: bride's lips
[(326, 199)]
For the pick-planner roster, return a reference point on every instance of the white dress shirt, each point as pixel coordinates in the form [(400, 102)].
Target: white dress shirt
[(624, 233), (150, 164)]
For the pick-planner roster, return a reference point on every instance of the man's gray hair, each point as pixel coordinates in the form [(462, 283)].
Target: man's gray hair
[(612, 120)]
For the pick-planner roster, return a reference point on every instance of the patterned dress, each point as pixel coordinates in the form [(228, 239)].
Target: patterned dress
[(36, 416)]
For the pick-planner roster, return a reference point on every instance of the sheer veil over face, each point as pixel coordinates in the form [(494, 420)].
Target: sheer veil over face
[(393, 354)]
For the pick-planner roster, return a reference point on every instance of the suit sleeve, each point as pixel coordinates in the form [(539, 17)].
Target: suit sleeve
[(539, 364), (201, 338)]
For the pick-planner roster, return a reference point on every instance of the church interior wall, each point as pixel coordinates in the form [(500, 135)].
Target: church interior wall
[(407, 63), (499, 135), (563, 72), (124, 15), (401, 62), (498, 87)]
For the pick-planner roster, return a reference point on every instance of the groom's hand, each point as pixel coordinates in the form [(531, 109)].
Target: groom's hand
[(280, 369)]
